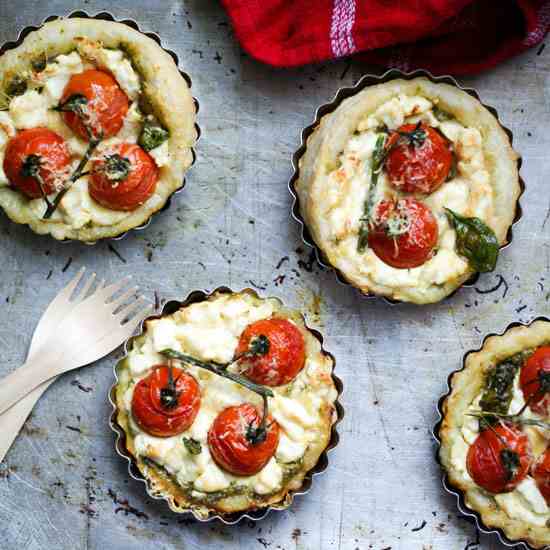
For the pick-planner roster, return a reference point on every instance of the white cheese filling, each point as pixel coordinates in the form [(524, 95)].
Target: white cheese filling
[(347, 187), (34, 109), (210, 331), (525, 502)]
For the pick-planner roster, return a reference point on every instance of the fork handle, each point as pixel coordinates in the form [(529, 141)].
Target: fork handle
[(25, 379)]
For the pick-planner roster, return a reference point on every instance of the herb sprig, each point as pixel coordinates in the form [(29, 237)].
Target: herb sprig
[(254, 434)]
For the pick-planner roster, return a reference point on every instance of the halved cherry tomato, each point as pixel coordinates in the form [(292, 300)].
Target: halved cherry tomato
[(404, 233), (529, 380), (232, 449), (495, 448), (131, 191), (285, 355), (106, 105), (161, 412), (541, 474), (44, 147), (414, 167)]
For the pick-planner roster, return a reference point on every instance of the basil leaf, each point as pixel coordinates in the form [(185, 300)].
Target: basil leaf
[(475, 241), (16, 86), (193, 446), (378, 158), (74, 104), (31, 166), (499, 388), (152, 135)]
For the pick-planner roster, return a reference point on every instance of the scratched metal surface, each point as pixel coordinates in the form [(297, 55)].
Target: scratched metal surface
[(63, 486)]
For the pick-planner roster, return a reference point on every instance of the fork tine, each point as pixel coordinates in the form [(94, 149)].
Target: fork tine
[(129, 311), (123, 297), (109, 291), (67, 292), (85, 289)]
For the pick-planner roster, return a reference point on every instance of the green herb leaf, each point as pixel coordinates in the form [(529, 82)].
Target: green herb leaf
[(454, 167), (116, 168), (16, 86), (378, 158), (488, 419), (475, 241), (511, 462), (415, 137), (152, 135), (193, 446), (499, 388), (259, 345), (544, 381), (31, 166), (73, 104)]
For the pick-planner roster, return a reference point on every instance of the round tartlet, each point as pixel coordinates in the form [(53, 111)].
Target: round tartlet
[(305, 409), (337, 198), (518, 504), (158, 115)]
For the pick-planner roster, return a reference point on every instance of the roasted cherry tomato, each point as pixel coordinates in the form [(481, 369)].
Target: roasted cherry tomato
[(273, 351), (419, 160), (162, 409), (105, 107), (37, 151), (124, 178), (541, 474), (232, 446), (404, 233), (500, 458), (534, 371)]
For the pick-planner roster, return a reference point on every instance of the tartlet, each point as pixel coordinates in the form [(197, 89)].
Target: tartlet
[(80, 89), (495, 434), (190, 461), (392, 171)]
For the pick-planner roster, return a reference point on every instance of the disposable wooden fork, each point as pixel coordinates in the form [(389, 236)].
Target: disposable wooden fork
[(81, 332)]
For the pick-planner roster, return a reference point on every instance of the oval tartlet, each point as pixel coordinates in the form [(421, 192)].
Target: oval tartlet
[(491, 384), (209, 327), (160, 116), (336, 198)]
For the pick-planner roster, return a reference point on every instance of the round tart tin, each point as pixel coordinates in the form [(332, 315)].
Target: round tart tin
[(463, 508), (233, 518), (342, 94), (132, 24)]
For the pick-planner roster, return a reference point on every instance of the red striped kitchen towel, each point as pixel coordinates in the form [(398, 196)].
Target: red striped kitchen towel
[(456, 36)]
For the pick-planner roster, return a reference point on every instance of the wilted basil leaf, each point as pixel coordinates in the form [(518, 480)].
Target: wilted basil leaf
[(152, 135), (192, 445), (16, 86), (475, 241)]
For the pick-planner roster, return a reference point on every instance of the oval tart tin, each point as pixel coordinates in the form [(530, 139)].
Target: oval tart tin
[(229, 519), (463, 508), (105, 16), (342, 94)]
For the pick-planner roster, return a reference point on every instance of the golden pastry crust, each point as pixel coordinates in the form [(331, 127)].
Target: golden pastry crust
[(163, 88), (161, 483), (334, 131), (466, 385)]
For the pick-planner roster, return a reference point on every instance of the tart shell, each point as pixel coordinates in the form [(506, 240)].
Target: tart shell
[(173, 104), (160, 488), (495, 347), (504, 231)]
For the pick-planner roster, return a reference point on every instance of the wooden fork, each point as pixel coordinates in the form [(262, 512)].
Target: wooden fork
[(90, 329)]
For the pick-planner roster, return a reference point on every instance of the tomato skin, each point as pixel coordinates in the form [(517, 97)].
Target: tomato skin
[(484, 461), (541, 474), (108, 103), (44, 143), (131, 192), (528, 381), (418, 168), (286, 355), (231, 449), (413, 247), (148, 410)]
